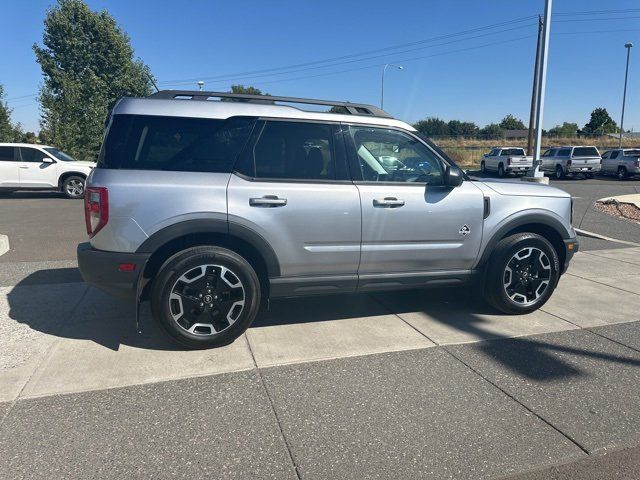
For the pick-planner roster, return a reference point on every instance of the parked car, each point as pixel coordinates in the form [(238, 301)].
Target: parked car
[(24, 166), (622, 162), (504, 160), (563, 161), (206, 208)]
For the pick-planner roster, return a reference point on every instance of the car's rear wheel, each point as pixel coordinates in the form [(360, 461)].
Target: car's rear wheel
[(622, 173), (501, 171), (73, 186), (205, 296), (483, 167), (522, 273), (559, 172)]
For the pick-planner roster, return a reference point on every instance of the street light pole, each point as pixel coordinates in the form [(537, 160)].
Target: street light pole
[(200, 85), (624, 95), (542, 80), (399, 67)]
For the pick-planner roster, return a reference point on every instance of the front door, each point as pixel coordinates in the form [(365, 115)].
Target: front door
[(292, 188), (9, 176), (411, 222), (34, 173)]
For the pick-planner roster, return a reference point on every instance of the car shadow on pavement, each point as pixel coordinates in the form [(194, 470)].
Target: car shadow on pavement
[(55, 302)]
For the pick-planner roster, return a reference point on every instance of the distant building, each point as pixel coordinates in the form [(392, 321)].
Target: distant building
[(516, 134)]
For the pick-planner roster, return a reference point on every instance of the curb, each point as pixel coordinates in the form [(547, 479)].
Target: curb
[(586, 233)]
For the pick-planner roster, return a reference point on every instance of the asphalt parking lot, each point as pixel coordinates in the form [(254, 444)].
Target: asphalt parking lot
[(395, 385)]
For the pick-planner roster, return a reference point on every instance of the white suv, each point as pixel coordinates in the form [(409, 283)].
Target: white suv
[(24, 166)]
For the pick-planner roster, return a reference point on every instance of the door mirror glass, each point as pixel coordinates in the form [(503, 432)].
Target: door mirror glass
[(47, 160), (453, 176)]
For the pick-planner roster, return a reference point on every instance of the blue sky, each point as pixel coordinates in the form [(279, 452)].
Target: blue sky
[(480, 76)]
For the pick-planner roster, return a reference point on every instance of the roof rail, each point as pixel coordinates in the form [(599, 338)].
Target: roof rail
[(349, 108)]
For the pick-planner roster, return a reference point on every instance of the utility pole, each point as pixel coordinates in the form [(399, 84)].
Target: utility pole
[(542, 80), (624, 95), (534, 90)]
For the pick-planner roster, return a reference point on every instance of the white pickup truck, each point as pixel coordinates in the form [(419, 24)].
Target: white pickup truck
[(504, 160)]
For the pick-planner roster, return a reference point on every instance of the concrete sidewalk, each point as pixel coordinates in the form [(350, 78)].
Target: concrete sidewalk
[(386, 385)]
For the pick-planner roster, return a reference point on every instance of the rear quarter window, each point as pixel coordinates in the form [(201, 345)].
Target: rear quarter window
[(141, 142)]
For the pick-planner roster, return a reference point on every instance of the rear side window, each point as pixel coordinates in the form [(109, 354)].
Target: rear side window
[(564, 152), (140, 142), (293, 150), (614, 154), (31, 155), (7, 154), (585, 152)]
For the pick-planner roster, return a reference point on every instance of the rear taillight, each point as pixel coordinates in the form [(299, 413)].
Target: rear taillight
[(96, 209), (638, 162), (508, 161), (568, 162)]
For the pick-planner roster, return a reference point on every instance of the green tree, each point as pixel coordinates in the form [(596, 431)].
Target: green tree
[(88, 64), (462, 129), (432, 127), (511, 123), (493, 130), (567, 129), (246, 90), (601, 122), (8, 131)]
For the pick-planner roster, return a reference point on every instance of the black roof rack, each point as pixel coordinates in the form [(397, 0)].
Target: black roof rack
[(349, 108)]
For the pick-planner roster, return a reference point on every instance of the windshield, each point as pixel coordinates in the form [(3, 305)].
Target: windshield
[(585, 152), (60, 155)]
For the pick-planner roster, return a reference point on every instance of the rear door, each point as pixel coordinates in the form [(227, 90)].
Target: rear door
[(292, 188), (411, 222), (34, 173), (9, 176)]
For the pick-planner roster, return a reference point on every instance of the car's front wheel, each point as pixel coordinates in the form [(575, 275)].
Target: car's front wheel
[(205, 296), (622, 173), (522, 273), (559, 172), (73, 186)]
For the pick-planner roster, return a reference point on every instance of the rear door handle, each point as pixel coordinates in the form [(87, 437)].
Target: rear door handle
[(268, 201), (388, 202)]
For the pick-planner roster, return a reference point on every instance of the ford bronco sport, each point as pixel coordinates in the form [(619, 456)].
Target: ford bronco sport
[(208, 203)]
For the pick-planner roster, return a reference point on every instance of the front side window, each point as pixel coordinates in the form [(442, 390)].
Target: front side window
[(31, 155), (7, 154), (547, 153), (493, 152), (294, 150), (386, 155), (142, 142), (59, 154)]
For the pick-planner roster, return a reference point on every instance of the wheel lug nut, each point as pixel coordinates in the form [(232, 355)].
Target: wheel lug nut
[(211, 305), (202, 304), (200, 296)]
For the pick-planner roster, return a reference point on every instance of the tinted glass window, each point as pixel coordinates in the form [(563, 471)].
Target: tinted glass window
[(513, 151), (294, 150), (59, 154), (7, 154), (174, 143), (614, 154), (547, 153), (391, 156), (493, 152), (564, 152), (585, 152), (31, 155), (631, 153)]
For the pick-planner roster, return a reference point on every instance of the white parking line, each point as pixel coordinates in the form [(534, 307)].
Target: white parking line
[(4, 244)]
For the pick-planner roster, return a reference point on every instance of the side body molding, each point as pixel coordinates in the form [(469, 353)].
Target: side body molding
[(215, 227)]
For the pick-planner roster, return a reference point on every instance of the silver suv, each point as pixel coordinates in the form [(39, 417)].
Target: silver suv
[(207, 208)]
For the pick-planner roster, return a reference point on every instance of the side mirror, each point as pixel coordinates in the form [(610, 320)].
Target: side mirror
[(47, 160), (453, 177)]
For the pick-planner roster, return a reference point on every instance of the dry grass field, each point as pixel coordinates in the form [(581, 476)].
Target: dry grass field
[(467, 152)]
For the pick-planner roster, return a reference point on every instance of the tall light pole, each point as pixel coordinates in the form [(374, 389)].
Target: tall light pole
[(200, 85), (624, 95), (542, 81), (399, 67)]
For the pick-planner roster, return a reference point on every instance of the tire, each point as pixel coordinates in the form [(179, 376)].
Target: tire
[(501, 173), (73, 186), (559, 172), (621, 173), (210, 274), (522, 273), (483, 167), (589, 175)]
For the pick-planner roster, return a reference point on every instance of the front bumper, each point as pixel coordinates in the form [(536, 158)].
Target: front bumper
[(101, 269), (571, 246)]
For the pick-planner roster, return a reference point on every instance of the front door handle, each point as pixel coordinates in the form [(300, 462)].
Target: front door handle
[(388, 202), (268, 201), (24, 166)]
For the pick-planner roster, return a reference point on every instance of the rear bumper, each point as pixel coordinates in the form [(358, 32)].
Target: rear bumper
[(571, 246), (518, 168), (101, 269), (588, 169)]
